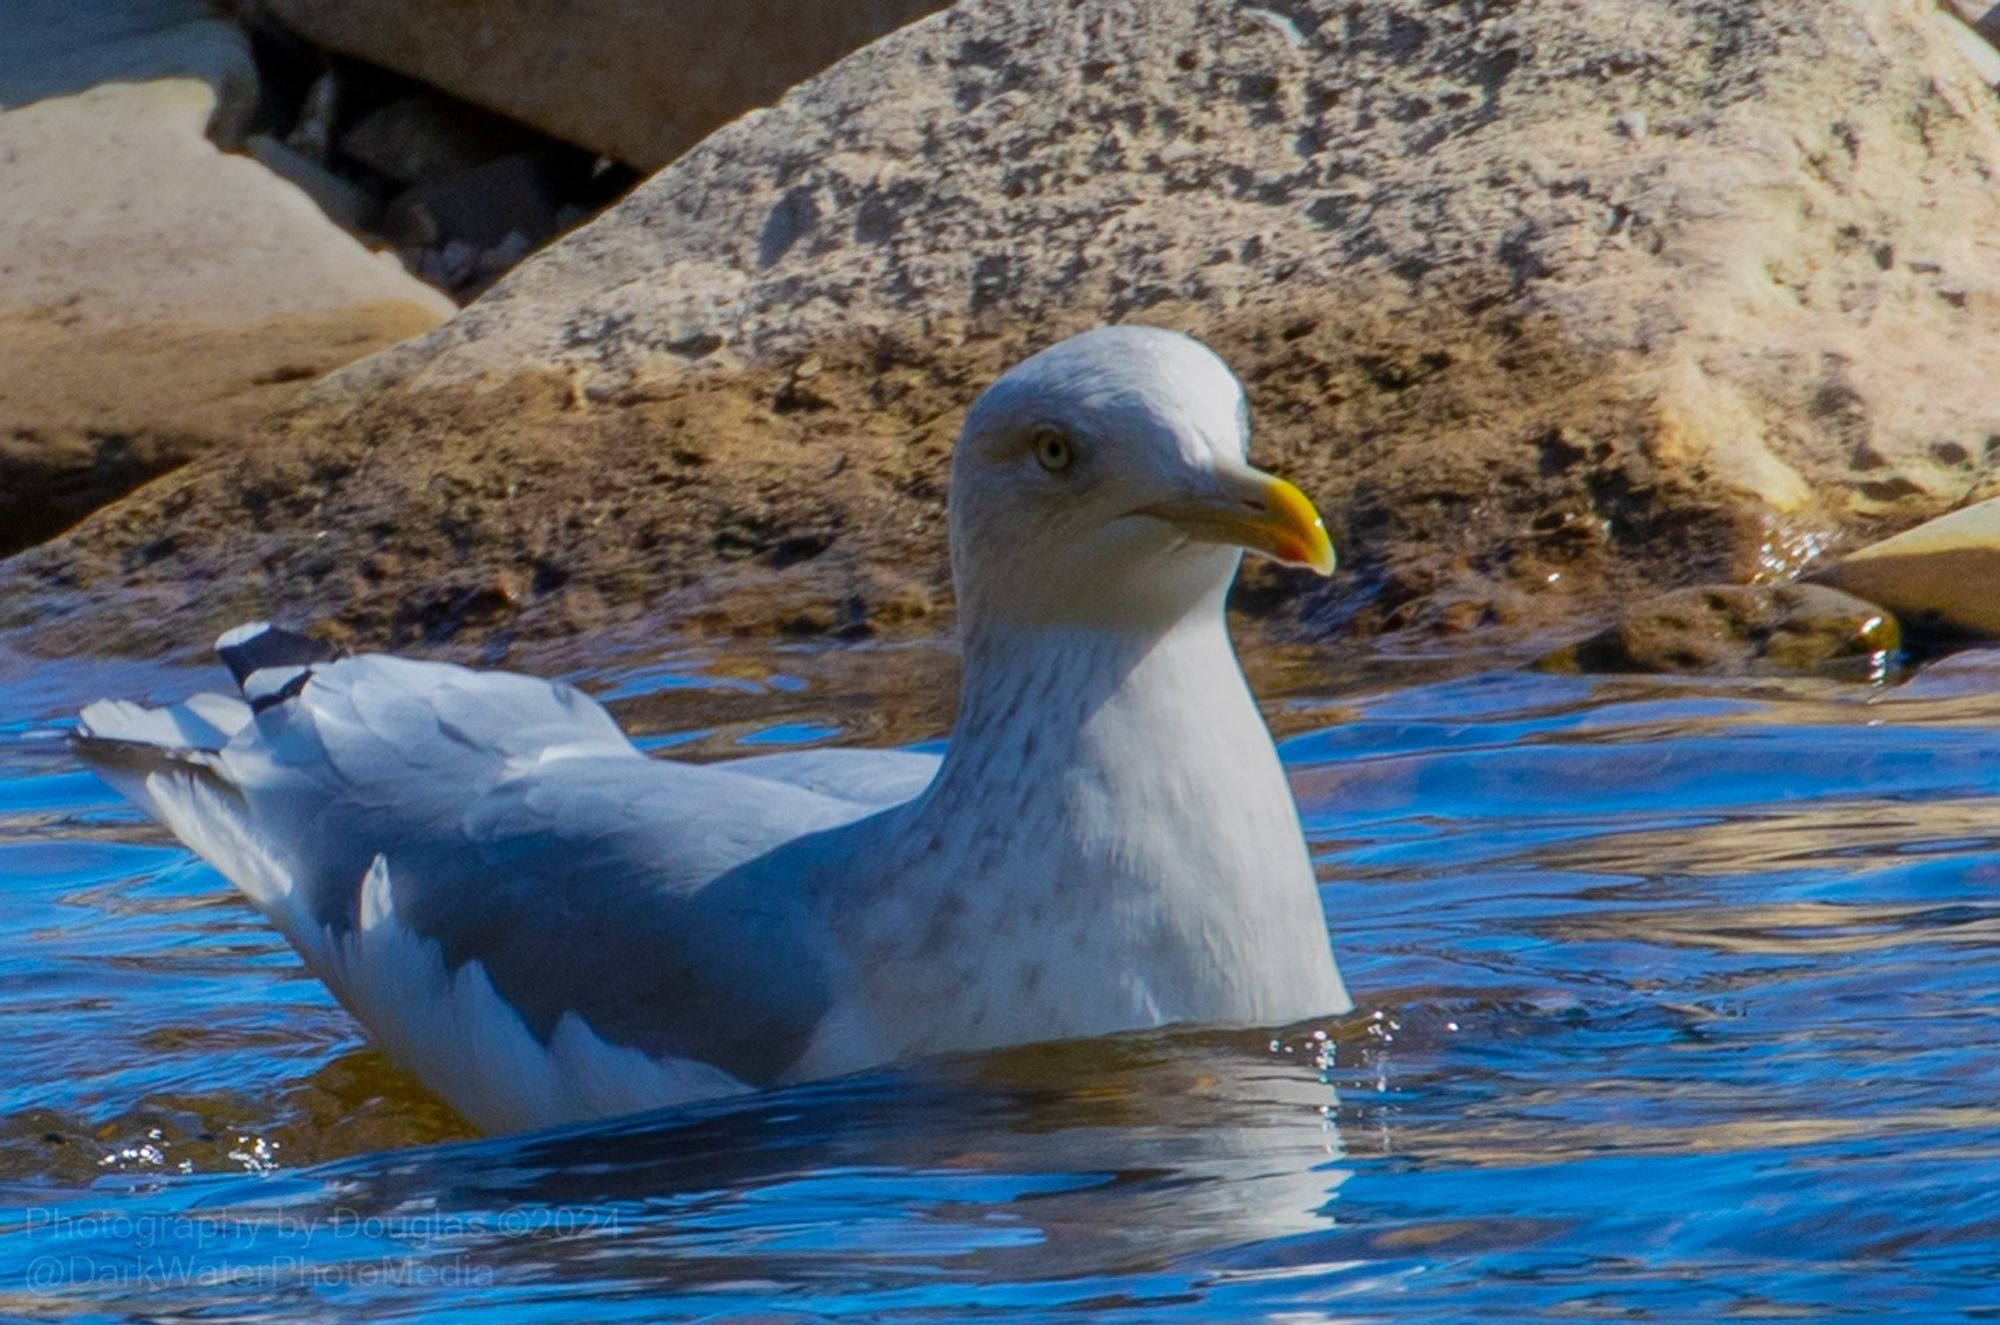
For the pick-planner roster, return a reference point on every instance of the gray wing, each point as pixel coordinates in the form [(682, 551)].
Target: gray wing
[(518, 828), (874, 778)]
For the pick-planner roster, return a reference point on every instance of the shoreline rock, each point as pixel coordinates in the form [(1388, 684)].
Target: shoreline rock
[(158, 298), (641, 83), (1943, 576), (1736, 629), (1551, 308)]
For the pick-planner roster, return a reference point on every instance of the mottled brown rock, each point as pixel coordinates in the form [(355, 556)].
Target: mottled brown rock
[(638, 80), (1551, 305), (1734, 628)]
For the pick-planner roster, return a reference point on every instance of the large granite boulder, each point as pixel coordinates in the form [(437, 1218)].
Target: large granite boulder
[(1550, 304), (157, 297), (638, 80)]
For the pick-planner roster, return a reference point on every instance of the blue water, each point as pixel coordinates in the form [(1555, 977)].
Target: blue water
[(1678, 1001)]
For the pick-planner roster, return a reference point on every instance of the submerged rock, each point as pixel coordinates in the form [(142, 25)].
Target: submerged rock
[(1548, 304), (1734, 628), (1942, 577)]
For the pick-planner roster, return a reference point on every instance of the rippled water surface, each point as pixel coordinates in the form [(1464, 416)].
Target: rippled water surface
[(1677, 1001)]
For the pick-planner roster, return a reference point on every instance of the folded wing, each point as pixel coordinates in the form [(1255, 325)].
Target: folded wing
[(539, 920)]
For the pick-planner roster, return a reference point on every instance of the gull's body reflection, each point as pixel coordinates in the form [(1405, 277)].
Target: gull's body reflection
[(1031, 1171)]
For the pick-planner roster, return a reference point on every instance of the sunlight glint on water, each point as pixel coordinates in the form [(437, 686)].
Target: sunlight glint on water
[(1676, 1000)]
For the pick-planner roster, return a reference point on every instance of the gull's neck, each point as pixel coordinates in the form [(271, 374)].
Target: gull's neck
[(1031, 697), (1109, 844)]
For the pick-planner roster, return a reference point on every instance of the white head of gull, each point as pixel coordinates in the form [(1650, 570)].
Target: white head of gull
[(543, 924)]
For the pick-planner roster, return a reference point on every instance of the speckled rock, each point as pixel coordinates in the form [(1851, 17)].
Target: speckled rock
[(1734, 628), (1552, 305), (1942, 576)]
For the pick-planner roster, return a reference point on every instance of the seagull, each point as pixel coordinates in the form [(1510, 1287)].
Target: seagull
[(545, 925)]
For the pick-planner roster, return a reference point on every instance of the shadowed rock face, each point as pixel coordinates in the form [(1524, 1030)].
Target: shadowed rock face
[(1545, 303), (637, 80)]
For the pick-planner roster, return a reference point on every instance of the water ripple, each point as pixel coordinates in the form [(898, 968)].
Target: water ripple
[(1677, 1002)]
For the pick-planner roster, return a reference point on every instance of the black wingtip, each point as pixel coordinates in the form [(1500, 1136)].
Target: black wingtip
[(254, 647)]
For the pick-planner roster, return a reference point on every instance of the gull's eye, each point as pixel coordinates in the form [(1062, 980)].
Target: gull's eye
[(1053, 451)]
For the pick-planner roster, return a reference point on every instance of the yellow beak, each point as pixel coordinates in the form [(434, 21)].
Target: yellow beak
[(1258, 511)]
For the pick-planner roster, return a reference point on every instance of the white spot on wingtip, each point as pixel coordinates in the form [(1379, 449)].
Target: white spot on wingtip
[(242, 634), (269, 683), (377, 905)]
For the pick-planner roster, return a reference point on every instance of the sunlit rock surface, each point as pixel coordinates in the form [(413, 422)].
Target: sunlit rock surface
[(1550, 305), (1943, 575), (157, 297)]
